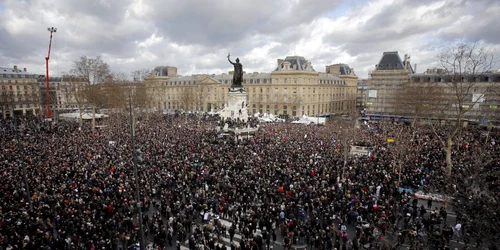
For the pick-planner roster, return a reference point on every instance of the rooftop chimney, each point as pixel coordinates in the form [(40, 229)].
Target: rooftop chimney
[(15, 68), (24, 69), (406, 62)]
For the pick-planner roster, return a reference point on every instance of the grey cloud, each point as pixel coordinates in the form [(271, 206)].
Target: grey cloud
[(210, 29), (221, 22)]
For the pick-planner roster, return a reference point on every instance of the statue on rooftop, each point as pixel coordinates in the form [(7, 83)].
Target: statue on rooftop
[(237, 74)]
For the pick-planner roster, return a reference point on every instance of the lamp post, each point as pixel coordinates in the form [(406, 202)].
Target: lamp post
[(12, 105), (23, 172), (26, 183), (136, 176), (51, 30)]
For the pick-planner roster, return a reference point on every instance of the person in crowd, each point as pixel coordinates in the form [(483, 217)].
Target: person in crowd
[(287, 183)]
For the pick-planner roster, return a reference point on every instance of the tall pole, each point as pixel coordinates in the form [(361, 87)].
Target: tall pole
[(136, 177), (12, 105), (26, 184), (49, 114)]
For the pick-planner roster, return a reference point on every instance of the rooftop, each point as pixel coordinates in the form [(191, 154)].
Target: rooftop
[(391, 61), (15, 73), (294, 63)]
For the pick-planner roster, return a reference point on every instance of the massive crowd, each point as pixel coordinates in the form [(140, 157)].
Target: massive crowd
[(290, 183)]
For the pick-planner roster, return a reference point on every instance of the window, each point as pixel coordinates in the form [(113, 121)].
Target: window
[(258, 80)]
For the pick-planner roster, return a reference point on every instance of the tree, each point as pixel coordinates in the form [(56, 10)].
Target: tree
[(4, 100), (462, 65), (93, 71), (279, 100), (77, 94), (421, 101), (33, 97), (140, 96), (140, 75), (115, 89), (187, 98)]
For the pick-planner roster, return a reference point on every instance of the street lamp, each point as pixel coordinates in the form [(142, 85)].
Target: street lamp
[(136, 176)]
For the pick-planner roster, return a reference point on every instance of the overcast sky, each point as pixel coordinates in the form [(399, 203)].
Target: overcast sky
[(196, 35)]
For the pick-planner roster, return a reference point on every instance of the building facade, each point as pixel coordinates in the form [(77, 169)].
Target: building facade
[(293, 88), (19, 93), (439, 96), (61, 92), (396, 91), (386, 82), (362, 93)]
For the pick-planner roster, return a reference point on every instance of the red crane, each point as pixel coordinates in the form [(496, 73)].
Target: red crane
[(51, 30)]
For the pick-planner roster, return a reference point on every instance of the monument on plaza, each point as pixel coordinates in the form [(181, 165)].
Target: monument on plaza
[(237, 104)]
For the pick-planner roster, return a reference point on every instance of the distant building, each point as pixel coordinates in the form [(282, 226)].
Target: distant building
[(293, 88), (396, 91), (19, 93), (362, 93), (61, 91), (386, 81), (481, 100)]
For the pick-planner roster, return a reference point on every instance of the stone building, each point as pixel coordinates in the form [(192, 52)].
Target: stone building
[(386, 82), (362, 93), (396, 91), (19, 93), (476, 96), (61, 91), (293, 88)]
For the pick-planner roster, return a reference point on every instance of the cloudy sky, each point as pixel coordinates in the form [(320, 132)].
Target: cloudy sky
[(196, 35)]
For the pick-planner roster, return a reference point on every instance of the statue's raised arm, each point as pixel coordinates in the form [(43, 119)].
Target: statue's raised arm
[(228, 55)]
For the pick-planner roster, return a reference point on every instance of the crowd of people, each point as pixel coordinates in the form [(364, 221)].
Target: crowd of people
[(290, 183)]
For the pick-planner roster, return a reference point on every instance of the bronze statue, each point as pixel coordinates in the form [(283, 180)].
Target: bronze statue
[(237, 74)]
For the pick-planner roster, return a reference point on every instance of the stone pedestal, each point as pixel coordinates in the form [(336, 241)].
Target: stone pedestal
[(236, 106)]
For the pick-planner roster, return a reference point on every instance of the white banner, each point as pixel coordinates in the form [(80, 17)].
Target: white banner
[(372, 94), (477, 98)]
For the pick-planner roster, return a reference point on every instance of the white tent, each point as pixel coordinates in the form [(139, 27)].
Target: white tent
[(85, 116)]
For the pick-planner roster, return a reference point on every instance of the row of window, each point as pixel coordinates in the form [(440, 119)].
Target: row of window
[(336, 82), (254, 81), (18, 76), (325, 108)]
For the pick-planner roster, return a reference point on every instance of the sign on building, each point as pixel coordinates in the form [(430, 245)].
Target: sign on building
[(372, 93), (477, 98)]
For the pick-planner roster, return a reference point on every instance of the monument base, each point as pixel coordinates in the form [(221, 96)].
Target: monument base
[(237, 105)]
